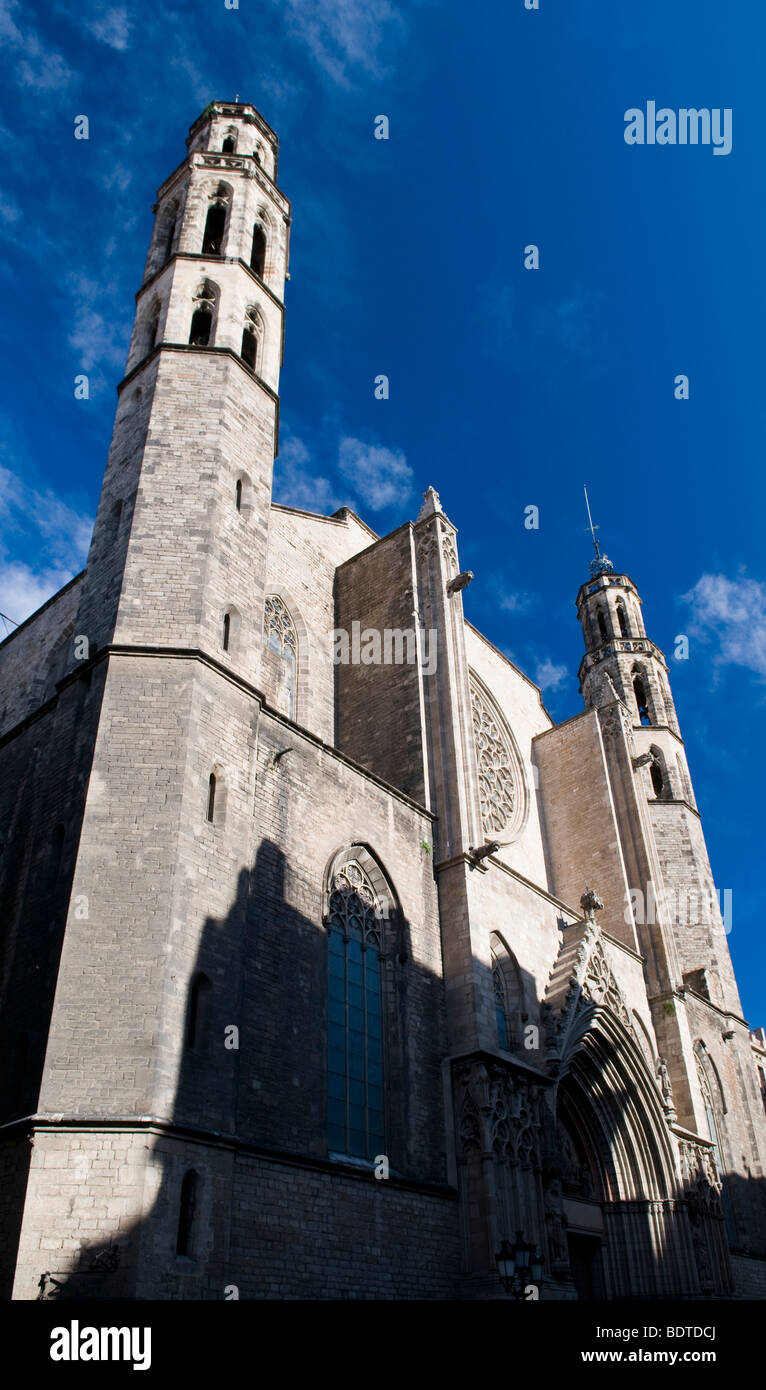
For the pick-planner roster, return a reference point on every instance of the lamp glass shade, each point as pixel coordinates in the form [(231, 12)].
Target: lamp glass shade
[(505, 1261)]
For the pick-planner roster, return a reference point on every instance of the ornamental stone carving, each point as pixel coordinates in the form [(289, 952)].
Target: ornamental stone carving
[(502, 792)]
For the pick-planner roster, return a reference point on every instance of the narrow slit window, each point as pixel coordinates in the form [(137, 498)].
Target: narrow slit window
[(238, 495), (226, 631), (198, 1012), (211, 798), (249, 348), (187, 1209)]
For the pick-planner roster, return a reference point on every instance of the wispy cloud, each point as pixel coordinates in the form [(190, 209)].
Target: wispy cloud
[(550, 675), (37, 65), (99, 339), (732, 614), (541, 333), (366, 477), (345, 36), (54, 528), (297, 484), (380, 477), (111, 28), (515, 601)]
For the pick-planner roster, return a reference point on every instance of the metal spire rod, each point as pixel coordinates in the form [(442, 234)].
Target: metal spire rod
[(593, 529)]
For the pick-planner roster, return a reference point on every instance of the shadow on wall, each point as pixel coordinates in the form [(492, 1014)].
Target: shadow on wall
[(244, 1201), (244, 1195)]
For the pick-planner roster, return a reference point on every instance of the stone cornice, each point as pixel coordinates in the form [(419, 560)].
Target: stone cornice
[(30, 1125)]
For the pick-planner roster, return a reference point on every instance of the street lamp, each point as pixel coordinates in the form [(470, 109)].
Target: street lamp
[(518, 1265)]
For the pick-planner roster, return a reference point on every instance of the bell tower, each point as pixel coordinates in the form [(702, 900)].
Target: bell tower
[(180, 538), (172, 609)]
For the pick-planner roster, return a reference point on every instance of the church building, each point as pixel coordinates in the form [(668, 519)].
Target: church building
[(330, 966)]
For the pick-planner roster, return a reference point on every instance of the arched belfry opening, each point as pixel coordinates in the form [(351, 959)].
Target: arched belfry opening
[(215, 223), (203, 316), (258, 251), (642, 698)]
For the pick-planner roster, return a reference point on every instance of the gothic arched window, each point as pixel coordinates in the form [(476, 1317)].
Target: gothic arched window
[(501, 1009), (355, 1116), (230, 143), (186, 1211), (602, 625), (622, 619), (713, 1101), (639, 690), (280, 636), (258, 252), (657, 772), (507, 993), (238, 495), (226, 634)]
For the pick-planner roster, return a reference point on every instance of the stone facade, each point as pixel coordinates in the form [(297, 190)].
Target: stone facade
[(322, 978)]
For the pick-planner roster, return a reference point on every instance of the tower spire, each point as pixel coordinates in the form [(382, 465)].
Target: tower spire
[(602, 564)]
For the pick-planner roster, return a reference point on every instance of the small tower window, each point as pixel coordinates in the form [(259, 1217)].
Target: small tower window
[(639, 690), (658, 781), (170, 240), (215, 226), (211, 798), (226, 631), (198, 1012), (187, 1208), (622, 619), (258, 253), (201, 325), (602, 626), (238, 495), (55, 856), (230, 143), (249, 348)]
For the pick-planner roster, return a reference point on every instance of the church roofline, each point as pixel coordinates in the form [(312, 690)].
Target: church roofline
[(338, 518)]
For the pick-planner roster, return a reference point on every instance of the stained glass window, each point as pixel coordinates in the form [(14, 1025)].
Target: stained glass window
[(355, 1123)]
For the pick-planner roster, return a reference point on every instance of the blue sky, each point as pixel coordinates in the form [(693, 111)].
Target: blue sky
[(508, 387)]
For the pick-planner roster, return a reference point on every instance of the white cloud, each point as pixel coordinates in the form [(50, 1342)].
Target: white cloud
[(516, 602), (23, 591), (732, 613), (297, 485), (112, 28), (549, 675), (9, 210), (380, 477), (59, 533)]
